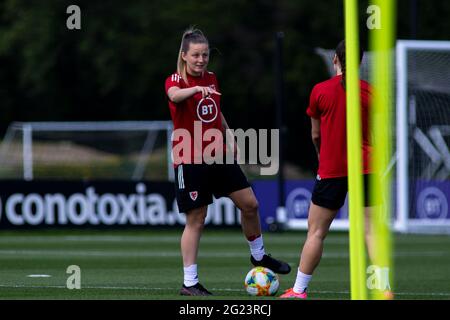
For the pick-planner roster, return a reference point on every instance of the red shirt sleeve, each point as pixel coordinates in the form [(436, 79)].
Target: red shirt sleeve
[(313, 108), (173, 80)]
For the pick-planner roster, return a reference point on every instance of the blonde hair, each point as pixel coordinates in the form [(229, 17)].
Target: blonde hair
[(191, 35)]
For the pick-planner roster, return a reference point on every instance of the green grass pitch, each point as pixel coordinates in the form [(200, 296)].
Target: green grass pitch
[(147, 264)]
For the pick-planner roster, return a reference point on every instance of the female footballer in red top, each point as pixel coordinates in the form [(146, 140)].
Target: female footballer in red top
[(194, 102), (327, 109)]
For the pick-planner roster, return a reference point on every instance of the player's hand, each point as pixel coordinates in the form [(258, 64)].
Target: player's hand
[(207, 91)]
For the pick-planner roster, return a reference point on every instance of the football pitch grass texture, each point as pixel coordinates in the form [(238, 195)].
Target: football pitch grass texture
[(147, 264)]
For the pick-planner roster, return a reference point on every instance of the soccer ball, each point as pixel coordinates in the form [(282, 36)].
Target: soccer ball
[(261, 281)]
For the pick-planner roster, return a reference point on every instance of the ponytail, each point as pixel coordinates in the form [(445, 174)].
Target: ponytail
[(340, 53), (191, 35)]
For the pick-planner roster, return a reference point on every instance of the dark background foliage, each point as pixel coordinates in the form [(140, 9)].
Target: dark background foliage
[(115, 66)]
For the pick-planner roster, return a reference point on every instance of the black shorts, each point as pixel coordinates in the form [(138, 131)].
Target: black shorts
[(196, 184), (331, 193)]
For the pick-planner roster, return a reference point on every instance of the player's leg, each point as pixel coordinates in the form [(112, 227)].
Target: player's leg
[(328, 197), (371, 208), (190, 240), (193, 199), (368, 232), (231, 182), (246, 201), (319, 221), (234, 184)]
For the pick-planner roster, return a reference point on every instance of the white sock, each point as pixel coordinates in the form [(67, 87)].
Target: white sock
[(257, 248), (302, 281), (190, 275)]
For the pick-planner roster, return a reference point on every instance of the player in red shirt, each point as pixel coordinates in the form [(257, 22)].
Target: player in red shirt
[(327, 109), (194, 103)]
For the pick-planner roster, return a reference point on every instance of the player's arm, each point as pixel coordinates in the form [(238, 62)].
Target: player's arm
[(228, 136), (315, 134), (314, 112), (176, 94)]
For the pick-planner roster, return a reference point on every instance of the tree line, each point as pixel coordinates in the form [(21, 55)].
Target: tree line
[(115, 66)]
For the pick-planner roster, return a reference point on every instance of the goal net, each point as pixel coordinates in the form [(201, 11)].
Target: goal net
[(423, 136), (123, 150)]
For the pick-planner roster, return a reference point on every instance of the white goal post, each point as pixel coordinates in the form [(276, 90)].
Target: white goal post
[(423, 123), (104, 143)]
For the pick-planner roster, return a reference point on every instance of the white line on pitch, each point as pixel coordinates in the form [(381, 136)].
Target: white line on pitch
[(213, 289), (168, 253), (232, 238)]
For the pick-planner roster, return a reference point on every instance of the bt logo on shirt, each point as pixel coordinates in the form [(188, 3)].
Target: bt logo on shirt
[(207, 110)]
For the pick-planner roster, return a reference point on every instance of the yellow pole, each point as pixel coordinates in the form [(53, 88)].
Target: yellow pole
[(354, 154), (382, 47)]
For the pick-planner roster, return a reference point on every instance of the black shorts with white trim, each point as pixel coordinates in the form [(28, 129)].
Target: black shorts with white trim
[(331, 193), (196, 184)]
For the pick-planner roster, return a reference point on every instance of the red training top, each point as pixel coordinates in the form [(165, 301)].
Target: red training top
[(205, 112), (328, 103)]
